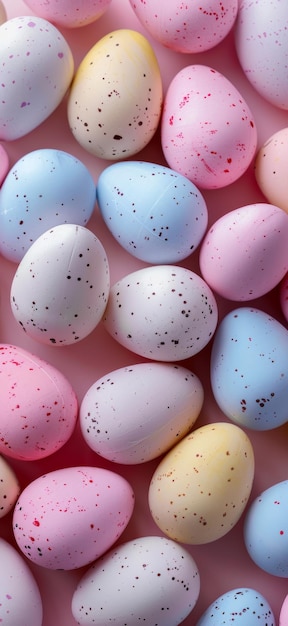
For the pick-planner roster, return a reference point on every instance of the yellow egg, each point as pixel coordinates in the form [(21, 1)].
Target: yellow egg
[(115, 102), (201, 487)]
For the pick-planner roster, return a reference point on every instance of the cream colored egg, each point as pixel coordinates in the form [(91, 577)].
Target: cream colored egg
[(9, 487), (3, 15), (271, 169), (201, 487), (115, 101)]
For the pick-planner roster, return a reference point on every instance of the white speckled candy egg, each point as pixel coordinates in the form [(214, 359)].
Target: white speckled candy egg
[(9, 488), (163, 312), (151, 579), (244, 255), (44, 188), (20, 599), (208, 133), (136, 413), (201, 487), (262, 47), (39, 407), (119, 117), (69, 13), (271, 169), (69, 517), (249, 369), (187, 27), (240, 606), (36, 70), (61, 286), (266, 530), (155, 214)]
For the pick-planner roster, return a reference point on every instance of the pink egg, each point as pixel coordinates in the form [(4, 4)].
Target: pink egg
[(283, 617), (69, 517), (69, 13), (4, 164), (244, 254), (208, 133), (284, 296)]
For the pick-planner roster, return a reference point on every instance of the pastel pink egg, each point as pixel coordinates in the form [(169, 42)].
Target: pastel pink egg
[(69, 13), (283, 617), (244, 254), (4, 163), (208, 133)]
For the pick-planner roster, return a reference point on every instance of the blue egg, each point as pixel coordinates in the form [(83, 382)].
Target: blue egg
[(154, 213), (43, 189), (249, 369), (240, 607), (266, 530)]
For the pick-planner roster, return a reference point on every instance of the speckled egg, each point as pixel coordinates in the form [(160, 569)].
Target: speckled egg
[(3, 14), (201, 487), (271, 169), (69, 517), (283, 617), (20, 599), (61, 286), (266, 530), (187, 27), (44, 188), (244, 255), (138, 412), (262, 48), (155, 214), (151, 579), (36, 70), (249, 369), (69, 13), (162, 312), (9, 488), (4, 163), (284, 296), (240, 607), (208, 132), (120, 117)]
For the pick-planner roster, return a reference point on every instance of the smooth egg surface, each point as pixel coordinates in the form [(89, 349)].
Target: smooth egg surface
[(4, 163), (283, 617), (69, 13), (9, 487), (271, 171), (3, 14), (240, 607)]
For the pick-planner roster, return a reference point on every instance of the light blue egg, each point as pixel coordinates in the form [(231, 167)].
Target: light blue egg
[(249, 369), (154, 213), (266, 530), (240, 607), (43, 189)]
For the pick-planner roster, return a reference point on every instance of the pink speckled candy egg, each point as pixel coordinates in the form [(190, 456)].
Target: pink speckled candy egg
[(39, 407), (208, 132), (9, 488), (69, 517), (271, 169), (69, 13), (244, 254), (36, 70), (4, 164), (283, 617), (189, 27)]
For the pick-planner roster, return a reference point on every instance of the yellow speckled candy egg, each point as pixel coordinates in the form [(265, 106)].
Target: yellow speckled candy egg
[(115, 102), (271, 169), (201, 487)]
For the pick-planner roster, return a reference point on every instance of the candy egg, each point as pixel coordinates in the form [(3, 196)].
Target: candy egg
[(244, 254), (266, 530), (249, 369), (242, 607), (20, 599), (3, 15), (61, 286), (69, 517), (69, 13), (39, 407), (44, 188), (156, 214), (36, 70), (151, 580), (201, 487), (163, 312), (262, 48), (284, 296), (187, 27), (208, 133), (120, 117), (283, 617), (271, 171), (4, 164), (136, 413), (9, 488)]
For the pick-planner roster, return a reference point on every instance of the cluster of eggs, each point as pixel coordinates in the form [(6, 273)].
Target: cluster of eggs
[(164, 313)]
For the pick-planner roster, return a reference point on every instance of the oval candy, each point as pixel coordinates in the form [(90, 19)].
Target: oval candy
[(242, 607), (69, 13), (9, 488), (270, 169)]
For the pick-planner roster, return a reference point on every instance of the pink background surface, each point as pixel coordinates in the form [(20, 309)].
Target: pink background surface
[(223, 564)]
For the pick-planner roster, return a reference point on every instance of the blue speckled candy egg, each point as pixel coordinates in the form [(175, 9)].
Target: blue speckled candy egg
[(44, 188), (153, 212), (249, 369), (266, 530), (240, 607)]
